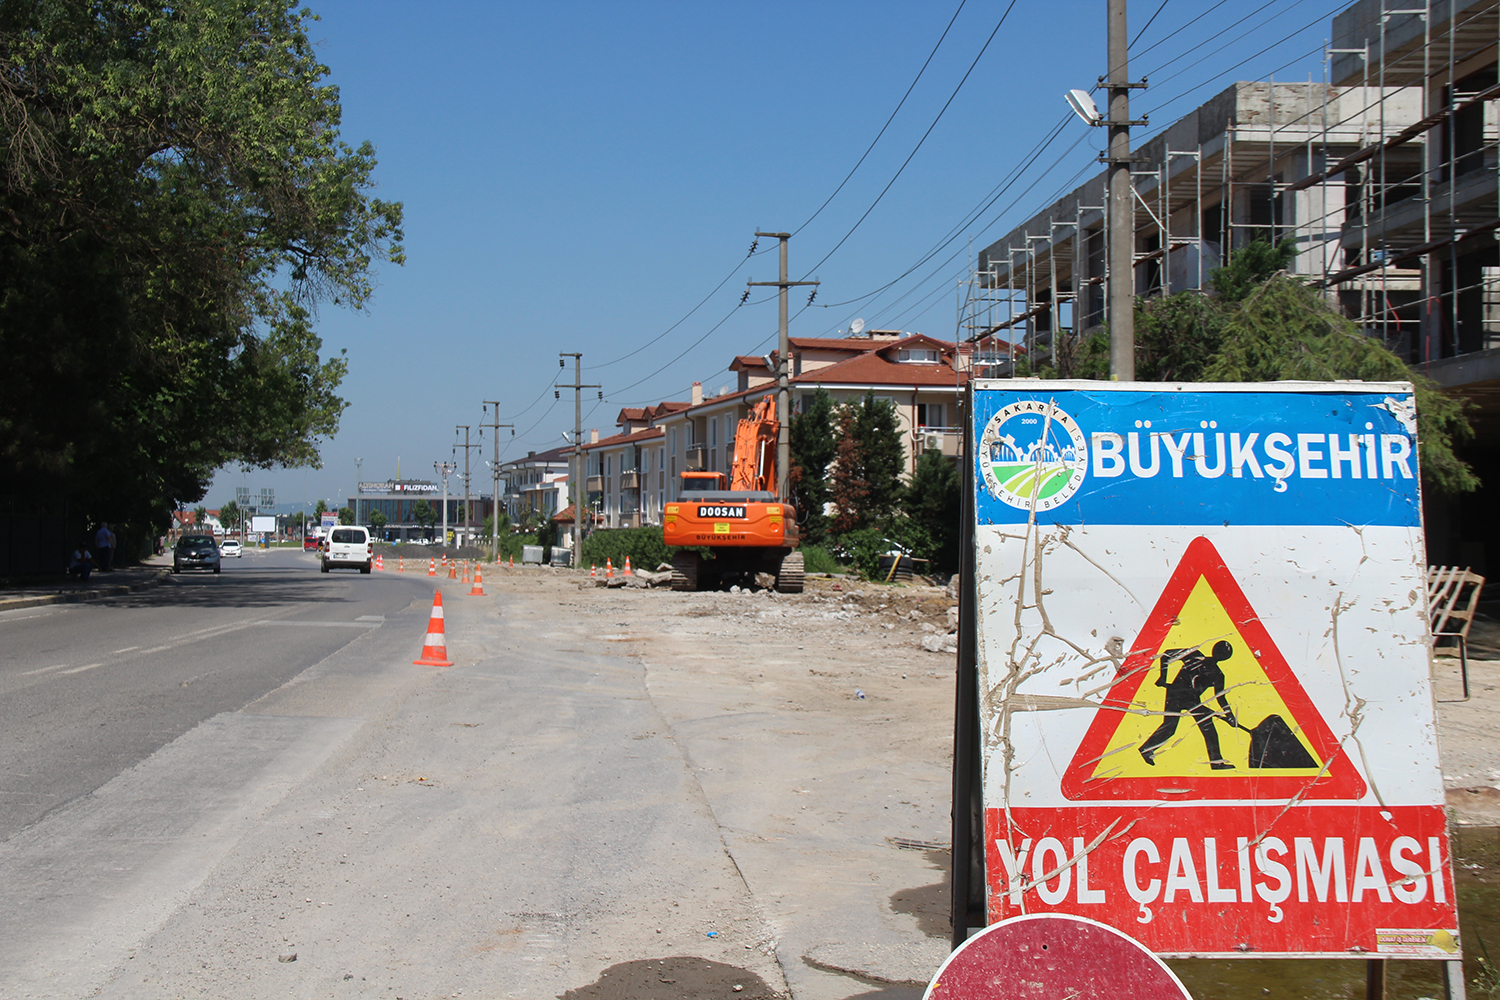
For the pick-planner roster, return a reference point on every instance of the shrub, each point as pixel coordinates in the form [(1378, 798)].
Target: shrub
[(817, 559), (644, 546), (863, 549)]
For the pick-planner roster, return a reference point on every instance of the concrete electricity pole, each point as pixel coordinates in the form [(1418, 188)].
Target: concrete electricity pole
[(575, 467), (359, 474), (495, 478), (466, 446), (443, 468), (783, 370), (1121, 311)]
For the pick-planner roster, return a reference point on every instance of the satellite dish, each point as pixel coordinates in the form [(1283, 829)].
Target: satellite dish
[(856, 328), (1083, 106)]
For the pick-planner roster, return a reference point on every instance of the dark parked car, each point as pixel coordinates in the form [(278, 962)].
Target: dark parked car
[(195, 552)]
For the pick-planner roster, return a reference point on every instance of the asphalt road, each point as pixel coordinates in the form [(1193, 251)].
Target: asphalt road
[(89, 690)]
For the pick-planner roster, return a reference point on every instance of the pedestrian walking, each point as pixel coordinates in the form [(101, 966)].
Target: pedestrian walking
[(104, 544)]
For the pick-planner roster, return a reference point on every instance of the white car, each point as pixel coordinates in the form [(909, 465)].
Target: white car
[(230, 548), (349, 548)]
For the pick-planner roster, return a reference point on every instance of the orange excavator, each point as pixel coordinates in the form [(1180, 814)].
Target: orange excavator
[(751, 534)]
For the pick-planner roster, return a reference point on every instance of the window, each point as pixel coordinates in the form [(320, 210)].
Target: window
[(930, 415), (672, 435), (920, 355)]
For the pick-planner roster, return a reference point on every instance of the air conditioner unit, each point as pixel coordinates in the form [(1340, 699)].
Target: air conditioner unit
[(932, 442)]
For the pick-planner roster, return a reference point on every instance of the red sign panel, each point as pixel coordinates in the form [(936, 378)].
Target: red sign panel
[(1267, 879)]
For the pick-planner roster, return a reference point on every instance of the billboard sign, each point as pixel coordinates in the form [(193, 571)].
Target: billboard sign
[(263, 523), (1203, 657), (329, 519)]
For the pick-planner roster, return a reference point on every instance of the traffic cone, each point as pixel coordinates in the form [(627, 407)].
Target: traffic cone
[(478, 589), (627, 566), (512, 562), (432, 567), (463, 576), (380, 562), (453, 570), (401, 564), (445, 560), (609, 568), (593, 572), (435, 646)]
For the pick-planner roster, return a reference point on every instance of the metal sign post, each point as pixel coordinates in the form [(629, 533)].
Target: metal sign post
[(1200, 678)]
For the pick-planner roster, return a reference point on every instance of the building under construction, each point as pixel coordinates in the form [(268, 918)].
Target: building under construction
[(1383, 174)]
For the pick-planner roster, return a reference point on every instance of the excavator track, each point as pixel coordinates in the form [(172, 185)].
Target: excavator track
[(789, 579), (685, 571)]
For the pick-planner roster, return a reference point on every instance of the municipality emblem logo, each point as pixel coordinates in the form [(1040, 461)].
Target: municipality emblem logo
[(1033, 455)]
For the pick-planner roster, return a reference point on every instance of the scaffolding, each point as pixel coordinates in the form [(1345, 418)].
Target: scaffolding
[(1384, 175)]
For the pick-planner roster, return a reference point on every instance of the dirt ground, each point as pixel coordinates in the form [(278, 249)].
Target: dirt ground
[(820, 730)]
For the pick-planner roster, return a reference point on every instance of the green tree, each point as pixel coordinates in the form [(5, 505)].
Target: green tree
[(200, 517), (423, 513), (230, 516), (931, 504), (865, 482), (1285, 330), (377, 519), (174, 202), (320, 508), (812, 448), (1250, 267), (346, 516)]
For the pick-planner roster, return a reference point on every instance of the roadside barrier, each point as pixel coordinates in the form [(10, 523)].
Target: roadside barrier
[(478, 589), (435, 646)]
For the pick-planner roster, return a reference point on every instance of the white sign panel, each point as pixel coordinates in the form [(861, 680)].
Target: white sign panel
[(1203, 663), (263, 523)]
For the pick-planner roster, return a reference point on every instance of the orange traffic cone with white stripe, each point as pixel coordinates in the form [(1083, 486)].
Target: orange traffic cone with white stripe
[(478, 589), (627, 566), (609, 568), (512, 562), (464, 576), (401, 564), (432, 567), (593, 572), (445, 560), (453, 570), (380, 562), (435, 646)]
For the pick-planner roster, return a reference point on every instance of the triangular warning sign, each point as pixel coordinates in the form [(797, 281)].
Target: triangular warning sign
[(1206, 707)]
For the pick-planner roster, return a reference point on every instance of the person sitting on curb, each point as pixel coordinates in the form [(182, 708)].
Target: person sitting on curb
[(81, 563)]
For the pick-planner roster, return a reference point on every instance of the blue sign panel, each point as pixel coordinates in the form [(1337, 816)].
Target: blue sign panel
[(1273, 454)]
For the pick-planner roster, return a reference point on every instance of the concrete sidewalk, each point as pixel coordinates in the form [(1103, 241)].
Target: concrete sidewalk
[(62, 589)]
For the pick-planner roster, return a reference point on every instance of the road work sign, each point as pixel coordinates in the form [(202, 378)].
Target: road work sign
[(1203, 664)]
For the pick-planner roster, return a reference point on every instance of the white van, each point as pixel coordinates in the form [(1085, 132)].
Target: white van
[(349, 548)]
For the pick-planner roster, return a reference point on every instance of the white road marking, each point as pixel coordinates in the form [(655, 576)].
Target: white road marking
[(127, 649), (79, 670)]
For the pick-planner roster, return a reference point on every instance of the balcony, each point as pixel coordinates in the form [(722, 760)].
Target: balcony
[(630, 479), (594, 484), (697, 458)]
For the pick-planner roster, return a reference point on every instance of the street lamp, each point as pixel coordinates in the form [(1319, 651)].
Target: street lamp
[(443, 468)]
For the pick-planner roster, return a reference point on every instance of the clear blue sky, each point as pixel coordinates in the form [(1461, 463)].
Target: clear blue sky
[(579, 176)]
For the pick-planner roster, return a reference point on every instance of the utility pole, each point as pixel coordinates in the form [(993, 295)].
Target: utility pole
[(359, 473), (575, 467), (783, 370), (443, 468), (1121, 312), (495, 478), (466, 447)]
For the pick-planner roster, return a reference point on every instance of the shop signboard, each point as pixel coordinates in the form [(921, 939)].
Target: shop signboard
[(1205, 706)]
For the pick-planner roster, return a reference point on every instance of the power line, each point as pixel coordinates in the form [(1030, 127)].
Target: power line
[(918, 146), (888, 121)]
